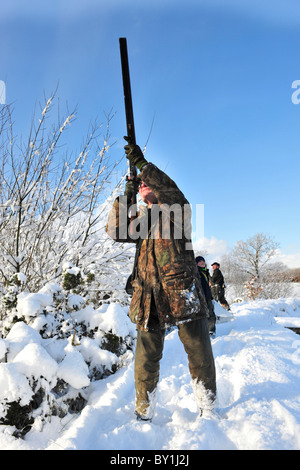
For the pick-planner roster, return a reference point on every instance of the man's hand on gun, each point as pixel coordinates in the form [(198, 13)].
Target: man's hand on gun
[(134, 154), (131, 187)]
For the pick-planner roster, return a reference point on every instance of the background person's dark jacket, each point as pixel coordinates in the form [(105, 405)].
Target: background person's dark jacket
[(217, 278), (205, 278)]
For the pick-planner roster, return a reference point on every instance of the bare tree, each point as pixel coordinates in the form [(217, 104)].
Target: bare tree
[(276, 281), (255, 253), (256, 276), (234, 275), (52, 205)]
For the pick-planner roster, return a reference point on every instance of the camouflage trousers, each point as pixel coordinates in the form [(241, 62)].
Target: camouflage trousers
[(149, 350)]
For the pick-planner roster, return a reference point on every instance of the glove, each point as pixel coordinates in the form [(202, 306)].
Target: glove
[(134, 154), (131, 188)]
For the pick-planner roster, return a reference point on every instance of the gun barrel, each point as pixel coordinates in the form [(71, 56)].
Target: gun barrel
[(127, 90)]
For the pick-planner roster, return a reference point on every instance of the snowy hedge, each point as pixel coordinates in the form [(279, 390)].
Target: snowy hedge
[(52, 347)]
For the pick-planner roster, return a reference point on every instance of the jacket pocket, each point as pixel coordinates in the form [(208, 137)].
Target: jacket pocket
[(136, 308), (183, 295)]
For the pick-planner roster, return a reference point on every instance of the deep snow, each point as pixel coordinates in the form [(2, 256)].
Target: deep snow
[(258, 379)]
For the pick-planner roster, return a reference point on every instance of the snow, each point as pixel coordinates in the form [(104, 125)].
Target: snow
[(113, 319), (32, 304), (73, 369), (34, 361), (19, 336), (13, 385), (2, 349), (258, 380)]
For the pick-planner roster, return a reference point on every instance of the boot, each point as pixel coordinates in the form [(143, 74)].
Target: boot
[(145, 405), (205, 399)]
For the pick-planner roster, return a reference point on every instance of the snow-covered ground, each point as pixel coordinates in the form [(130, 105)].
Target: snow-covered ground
[(258, 379)]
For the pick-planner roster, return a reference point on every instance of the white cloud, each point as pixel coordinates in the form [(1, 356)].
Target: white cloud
[(212, 248), (291, 260)]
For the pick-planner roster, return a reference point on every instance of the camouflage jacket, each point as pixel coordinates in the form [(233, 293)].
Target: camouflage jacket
[(166, 271)]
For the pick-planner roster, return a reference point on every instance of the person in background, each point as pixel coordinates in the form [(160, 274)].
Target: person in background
[(217, 285), (205, 279)]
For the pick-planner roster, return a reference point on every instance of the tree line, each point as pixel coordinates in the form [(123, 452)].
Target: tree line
[(251, 272)]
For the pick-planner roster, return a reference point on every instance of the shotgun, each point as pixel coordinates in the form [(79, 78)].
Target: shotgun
[(128, 103)]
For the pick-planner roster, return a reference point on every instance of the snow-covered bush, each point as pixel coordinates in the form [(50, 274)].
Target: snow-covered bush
[(53, 345)]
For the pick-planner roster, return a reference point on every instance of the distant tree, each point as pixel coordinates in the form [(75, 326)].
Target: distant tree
[(253, 289), (255, 253), (255, 274), (276, 281), (234, 275), (295, 274)]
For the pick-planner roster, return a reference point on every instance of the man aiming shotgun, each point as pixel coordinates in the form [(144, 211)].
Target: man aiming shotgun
[(166, 287)]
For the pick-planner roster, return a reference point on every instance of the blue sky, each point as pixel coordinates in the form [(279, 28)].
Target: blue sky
[(217, 76)]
